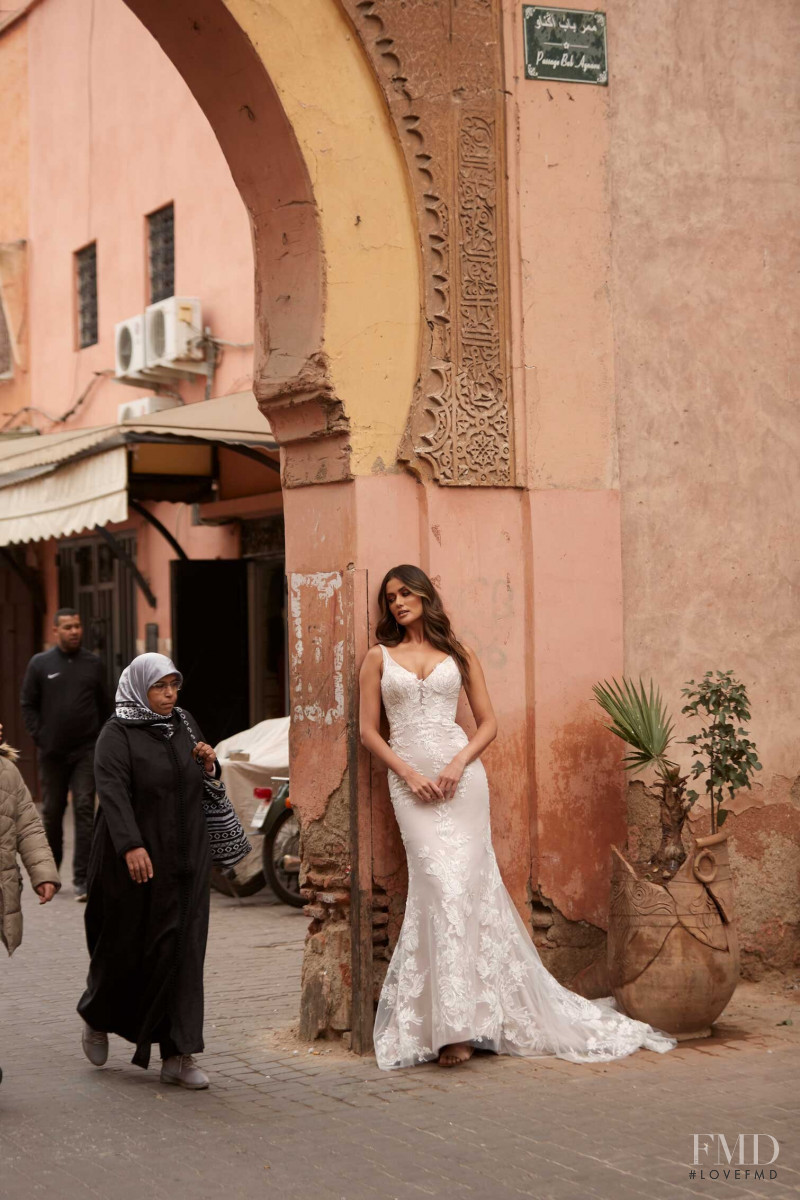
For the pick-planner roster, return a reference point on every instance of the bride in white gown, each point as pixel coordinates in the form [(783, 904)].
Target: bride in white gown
[(465, 973)]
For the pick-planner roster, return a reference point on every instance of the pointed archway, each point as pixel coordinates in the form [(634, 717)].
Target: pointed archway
[(309, 141)]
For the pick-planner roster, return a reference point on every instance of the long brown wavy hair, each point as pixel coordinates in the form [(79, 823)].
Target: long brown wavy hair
[(435, 621)]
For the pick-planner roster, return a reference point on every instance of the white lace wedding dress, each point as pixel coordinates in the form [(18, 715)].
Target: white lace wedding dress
[(465, 968)]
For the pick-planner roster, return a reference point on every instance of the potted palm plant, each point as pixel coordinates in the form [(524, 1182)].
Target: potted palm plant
[(639, 718), (673, 954)]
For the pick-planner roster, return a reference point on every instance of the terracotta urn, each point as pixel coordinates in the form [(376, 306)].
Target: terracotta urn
[(673, 953)]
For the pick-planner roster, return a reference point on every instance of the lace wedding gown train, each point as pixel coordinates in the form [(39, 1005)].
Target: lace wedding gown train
[(465, 968)]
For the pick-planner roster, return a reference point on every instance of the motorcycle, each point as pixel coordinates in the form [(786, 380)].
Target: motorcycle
[(277, 822)]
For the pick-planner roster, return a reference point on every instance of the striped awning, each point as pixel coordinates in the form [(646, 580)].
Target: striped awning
[(61, 483)]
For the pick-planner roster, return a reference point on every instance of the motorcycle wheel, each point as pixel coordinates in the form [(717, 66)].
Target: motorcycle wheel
[(283, 839)]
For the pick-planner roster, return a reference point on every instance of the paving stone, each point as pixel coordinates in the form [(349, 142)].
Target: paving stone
[(281, 1122)]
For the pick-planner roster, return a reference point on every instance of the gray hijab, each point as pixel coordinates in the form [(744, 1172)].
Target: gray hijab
[(138, 676)]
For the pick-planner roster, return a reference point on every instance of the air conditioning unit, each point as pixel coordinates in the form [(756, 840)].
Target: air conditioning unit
[(144, 407), (173, 329), (129, 347)]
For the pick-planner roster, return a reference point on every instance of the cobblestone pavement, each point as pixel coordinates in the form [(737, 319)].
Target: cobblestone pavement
[(285, 1121)]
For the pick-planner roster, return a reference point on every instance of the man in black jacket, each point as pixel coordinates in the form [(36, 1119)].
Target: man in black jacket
[(64, 704)]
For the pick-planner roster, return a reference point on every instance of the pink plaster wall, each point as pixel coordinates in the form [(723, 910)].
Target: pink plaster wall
[(14, 165), (560, 238), (705, 169), (654, 316), (14, 116), (577, 640), (706, 189), (115, 134), (569, 614)]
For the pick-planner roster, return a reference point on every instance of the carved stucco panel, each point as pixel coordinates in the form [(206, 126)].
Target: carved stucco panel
[(440, 65)]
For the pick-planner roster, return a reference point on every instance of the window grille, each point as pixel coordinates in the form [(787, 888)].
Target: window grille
[(86, 274), (161, 248)]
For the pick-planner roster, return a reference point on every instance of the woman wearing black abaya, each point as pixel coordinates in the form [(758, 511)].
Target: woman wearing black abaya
[(147, 911)]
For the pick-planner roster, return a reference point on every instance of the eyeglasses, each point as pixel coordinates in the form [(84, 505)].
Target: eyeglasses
[(165, 687)]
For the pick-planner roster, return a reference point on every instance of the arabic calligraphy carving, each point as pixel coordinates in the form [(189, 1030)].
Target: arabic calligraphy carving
[(442, 77), (482, 425)]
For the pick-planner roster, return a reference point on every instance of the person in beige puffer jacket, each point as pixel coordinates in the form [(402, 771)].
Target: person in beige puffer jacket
[(21, 833)]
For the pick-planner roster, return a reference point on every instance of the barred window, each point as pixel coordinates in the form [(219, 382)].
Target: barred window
[(86, 280), (161, 252)]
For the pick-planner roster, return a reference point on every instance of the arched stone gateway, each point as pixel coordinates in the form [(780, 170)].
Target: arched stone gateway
[(367, 139), (291, 99), (293, 102)]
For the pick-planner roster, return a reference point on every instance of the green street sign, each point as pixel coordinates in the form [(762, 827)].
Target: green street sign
[(565, 44)]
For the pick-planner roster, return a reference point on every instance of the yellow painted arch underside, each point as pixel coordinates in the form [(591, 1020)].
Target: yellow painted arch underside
[(369, 234)]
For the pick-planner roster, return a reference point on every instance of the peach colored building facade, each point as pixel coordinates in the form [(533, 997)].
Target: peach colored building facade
[(115, 134), (105, 132), (535, 337)]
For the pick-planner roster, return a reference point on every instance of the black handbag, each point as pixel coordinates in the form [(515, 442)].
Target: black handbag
[(229, 844)]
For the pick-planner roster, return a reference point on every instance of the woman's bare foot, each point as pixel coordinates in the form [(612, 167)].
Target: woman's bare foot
[(452, 1056)]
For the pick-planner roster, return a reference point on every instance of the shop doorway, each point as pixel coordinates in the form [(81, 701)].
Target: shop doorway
[(228, 640), (210, 643), (21, 612), (95, 582), (262, 545)]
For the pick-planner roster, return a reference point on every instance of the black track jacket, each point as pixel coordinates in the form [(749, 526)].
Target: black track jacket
[(65, 701)]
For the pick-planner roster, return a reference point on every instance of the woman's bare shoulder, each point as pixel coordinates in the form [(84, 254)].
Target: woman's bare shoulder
[(476, 670), (373, 657)]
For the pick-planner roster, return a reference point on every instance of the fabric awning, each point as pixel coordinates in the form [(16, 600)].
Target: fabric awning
[(61, 483), (92, 491)]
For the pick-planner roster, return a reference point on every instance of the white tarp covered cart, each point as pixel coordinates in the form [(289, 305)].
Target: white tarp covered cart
[(267, 748)]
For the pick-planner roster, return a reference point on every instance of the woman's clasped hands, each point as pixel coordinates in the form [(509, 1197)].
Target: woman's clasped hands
[(431, 791)]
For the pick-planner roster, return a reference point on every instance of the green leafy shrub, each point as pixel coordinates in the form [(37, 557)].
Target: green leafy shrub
[(722, 749)]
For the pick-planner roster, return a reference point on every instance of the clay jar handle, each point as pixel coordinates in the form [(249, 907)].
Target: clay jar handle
[(708, 873)]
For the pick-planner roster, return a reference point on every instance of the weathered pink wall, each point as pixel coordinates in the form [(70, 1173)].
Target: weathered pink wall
[(705, 191), (14, 167), (654, 313), (577, 639), (14, 163), (115, 134), (569, 615)]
